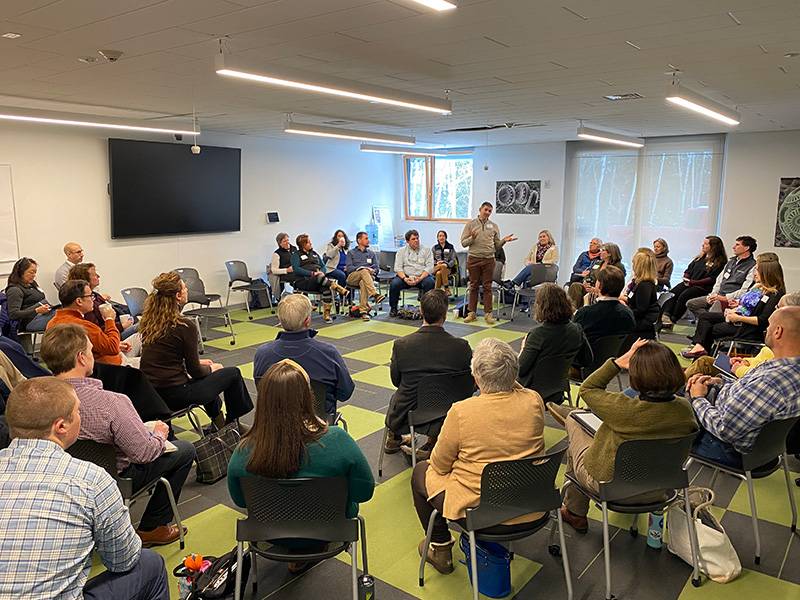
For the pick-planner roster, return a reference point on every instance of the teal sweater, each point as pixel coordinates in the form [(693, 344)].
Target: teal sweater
[(334, 454)]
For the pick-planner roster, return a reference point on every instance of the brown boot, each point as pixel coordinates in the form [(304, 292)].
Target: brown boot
[(423, 452), (326, 312), (577, 522), (439, 555), (394, 442), (337, 288), (559, 412)]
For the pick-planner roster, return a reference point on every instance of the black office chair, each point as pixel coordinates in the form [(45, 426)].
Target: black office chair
[(305, 508), (192, 273), (643, 466), (766, 457), (134, 298), (135, 385), (196, 294), (602, 349), (539, 274), (435, 395), (320, 391), (662, 301), (105, 456), (551, 378), (237, 272), (511, 489)]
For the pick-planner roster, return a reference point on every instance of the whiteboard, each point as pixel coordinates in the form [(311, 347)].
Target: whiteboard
[(9, 247)]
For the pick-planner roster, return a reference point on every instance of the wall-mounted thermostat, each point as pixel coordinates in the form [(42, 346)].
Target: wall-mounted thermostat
[(272, 217)]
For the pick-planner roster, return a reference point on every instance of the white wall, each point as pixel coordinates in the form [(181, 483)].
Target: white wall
[(517, 162), (60, 178), (754, 166)]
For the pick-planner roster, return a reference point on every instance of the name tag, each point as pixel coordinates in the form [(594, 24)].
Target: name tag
[(630, 294), (303, 257), (764, 299), (369, 261), (447, 250), (489, 227), (726, 275)]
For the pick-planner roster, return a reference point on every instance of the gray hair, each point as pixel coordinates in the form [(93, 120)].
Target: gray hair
[(495, 366), (791, 299), (293, 311)]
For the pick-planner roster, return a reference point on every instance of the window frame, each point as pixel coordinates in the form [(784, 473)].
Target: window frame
[(429, 185)]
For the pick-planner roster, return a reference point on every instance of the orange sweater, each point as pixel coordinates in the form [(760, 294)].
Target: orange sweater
[(105, 343)]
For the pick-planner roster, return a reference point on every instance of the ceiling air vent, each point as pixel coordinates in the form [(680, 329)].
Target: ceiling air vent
[(633, 96)]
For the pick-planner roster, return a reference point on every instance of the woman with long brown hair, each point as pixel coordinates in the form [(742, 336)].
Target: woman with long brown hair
[(288, 440), (26, 300), (172, 364)]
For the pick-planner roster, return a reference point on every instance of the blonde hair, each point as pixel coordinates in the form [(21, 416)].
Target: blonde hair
[(663, 242), (770, 273), (549, 236), (162, 310), (293, 312), (645, 267)]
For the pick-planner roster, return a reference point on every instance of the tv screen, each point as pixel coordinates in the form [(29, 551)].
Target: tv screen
[(164, 189)]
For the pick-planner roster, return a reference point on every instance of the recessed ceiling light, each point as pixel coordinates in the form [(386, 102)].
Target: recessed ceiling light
[(437, 4), (791, 55), (12, 36)]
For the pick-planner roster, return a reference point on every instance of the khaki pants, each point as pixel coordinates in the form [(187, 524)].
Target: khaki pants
[(703, 365), (442, 273), (362, 279)]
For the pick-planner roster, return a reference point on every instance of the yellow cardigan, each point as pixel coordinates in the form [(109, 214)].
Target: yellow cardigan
[(478, 431)]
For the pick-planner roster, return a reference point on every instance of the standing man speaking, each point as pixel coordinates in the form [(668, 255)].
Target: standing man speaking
[(482, 239)]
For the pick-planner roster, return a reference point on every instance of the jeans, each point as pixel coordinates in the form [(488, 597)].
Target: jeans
[(126, 333), (338, 276), (426, 285), (523, 277), (147, 580), (206, 391), (172, 466), (39, 322), (713, 448)]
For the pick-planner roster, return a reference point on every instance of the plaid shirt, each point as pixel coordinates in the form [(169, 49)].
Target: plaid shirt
[(54, 510), (109, 418), (769, 393)]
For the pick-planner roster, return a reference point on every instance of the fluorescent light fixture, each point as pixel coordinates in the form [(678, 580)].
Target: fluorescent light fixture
[(610, 138), (34, 116), (677, 94), (347, 134), (327, 84), (407, 151), (437, 4)]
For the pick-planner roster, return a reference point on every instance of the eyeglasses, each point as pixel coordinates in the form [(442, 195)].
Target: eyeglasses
[(86, 296)]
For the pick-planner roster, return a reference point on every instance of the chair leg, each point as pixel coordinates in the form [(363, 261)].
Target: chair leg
[(714, 478), (354, 567), (230, 326), (789, 488), (564, 558), (343, 422), (363, 526), (174, 506), (473, 561), (227, 298), (383, 447), (514, 306), (254, 575), (607, 551), (247, 305), (693, 542), (754, 515), (428, 536), (239, 560), (413, 447)]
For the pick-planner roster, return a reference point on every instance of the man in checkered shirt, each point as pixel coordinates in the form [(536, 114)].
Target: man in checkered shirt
[(768, 392), (55, 510)]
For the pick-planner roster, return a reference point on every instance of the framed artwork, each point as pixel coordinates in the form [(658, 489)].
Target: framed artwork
[(787, 221), (518, 197)]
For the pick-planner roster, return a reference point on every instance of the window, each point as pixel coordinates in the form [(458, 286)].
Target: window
[(438, 188), (669, 189)]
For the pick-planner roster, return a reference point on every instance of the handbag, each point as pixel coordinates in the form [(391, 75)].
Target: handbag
[(216, 582), (214, 452), (717, 556)]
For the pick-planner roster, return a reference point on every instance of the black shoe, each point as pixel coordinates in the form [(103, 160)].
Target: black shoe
[(393, 311), (508, 284)]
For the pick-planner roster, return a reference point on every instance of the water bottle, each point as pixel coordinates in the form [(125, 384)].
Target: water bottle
[(655, 529), (366, 587)]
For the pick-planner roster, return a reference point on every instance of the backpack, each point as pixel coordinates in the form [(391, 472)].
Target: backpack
[(218, 581), (258, 299), (355, 311), (410, 314)]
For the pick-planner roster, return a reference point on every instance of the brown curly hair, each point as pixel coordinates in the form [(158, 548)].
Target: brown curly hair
[(162, 310)]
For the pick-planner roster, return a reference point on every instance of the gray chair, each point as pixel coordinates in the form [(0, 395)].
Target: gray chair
[(185, 272), (240, 281), (320, 391), (643, 466), (385, 272), (196, 294), (662, 300), (511, 489), (303, 508), (105, 456), (497, 286), (435, 395), (134, 298), (766, 457), (540, 274)]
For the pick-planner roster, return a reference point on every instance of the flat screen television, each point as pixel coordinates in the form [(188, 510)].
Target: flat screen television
[(159, 188)]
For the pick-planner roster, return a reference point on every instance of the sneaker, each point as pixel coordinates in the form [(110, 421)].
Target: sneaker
[(379, 298), (489, 319), (393, 311), (364, 317), (439, 555), (577, 522), (470, 317)]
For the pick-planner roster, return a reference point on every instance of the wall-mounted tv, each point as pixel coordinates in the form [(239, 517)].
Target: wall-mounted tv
[(164, 189)]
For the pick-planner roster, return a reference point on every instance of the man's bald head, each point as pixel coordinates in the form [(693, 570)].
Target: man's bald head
[(74, 252), (783, 333)]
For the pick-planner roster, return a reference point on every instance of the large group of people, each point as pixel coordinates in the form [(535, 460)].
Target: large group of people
[(743, 298)]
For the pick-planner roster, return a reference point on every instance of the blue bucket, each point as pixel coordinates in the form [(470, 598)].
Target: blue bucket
[(494, 567)]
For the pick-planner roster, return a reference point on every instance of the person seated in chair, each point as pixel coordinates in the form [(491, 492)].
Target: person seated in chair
[(76, 298), (543, 253), (654, 412), (428, 351), (505, 422), (771, 392), (289, 441), (310, 276), (610, 256), (63, 510), (362, 268), (641, 297), (664, 263), (556, 335), (607, 316), (336, 257), (413, 266), (110, 418), (26, 302), (126, 327), (444, 259), (319, 359), (74, 254), (585, 261), (279, 270)]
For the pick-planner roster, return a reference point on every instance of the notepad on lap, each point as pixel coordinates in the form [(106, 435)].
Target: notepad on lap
[(168, 446), (588, 420)]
